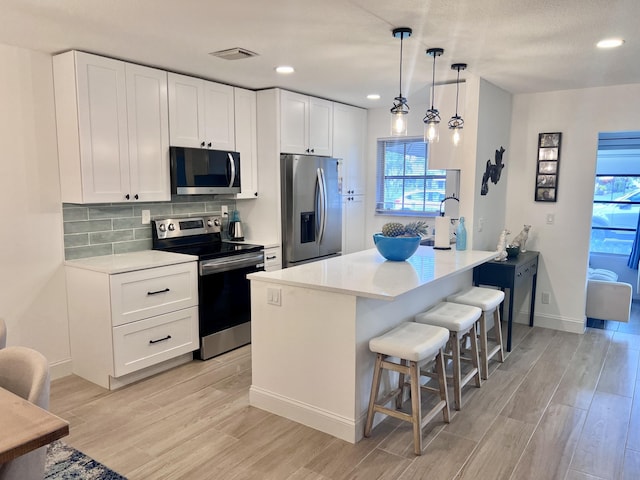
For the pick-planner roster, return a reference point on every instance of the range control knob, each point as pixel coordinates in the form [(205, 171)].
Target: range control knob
[(216, 222), (209, 223), (162, 227), (172, 227)]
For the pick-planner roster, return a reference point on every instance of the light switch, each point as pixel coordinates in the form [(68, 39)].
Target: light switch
[(273, 296), (551, 218)]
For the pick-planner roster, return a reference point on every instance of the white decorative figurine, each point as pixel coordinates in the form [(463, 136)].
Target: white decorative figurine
[(521, 238), (502, 246)]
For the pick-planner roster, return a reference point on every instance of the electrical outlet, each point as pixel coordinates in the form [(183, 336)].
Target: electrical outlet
[(224, 210), (545, 298), (274, 296), (480, 224), (146, 217)]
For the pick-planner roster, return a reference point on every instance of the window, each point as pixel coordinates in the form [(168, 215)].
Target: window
[(616, 197), (405, 185)]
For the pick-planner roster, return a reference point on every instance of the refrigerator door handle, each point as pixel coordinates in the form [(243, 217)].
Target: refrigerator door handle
[(322, 191), (233, 169)]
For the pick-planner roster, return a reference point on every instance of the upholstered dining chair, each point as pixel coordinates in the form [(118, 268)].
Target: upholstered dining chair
[(25, 372), (3, 333)]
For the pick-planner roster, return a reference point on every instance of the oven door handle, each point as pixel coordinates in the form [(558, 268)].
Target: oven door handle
[(224, 265)]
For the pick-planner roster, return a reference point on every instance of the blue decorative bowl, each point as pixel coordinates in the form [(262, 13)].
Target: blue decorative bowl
[(396, 249)]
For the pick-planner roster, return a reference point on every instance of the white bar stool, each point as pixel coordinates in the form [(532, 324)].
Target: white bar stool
[(488, 300), (461, 321), (415, 344)]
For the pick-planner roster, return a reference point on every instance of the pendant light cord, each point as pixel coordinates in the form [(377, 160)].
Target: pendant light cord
[(457, 90), (433, 79), (401, 42)]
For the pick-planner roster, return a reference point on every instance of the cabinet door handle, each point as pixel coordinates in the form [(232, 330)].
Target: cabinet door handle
[(127, 196), (313, 150), (209, 144), (272, 258), (168, 337), (158, 291), (136, 196), (202, 144)]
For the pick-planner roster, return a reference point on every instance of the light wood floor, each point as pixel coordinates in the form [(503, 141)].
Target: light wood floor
[(562, 406)]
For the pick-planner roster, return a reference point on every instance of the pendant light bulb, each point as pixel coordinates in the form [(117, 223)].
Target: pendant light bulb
[(432, 117), (400, 107), (456, 123)]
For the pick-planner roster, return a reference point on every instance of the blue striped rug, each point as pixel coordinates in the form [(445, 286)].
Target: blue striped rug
[(67, 463)]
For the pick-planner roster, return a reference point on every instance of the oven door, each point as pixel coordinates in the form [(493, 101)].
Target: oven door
[(225, 302)]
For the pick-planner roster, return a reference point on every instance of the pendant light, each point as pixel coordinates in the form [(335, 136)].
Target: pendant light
[(456, 123), (400, 108), (432, 117)]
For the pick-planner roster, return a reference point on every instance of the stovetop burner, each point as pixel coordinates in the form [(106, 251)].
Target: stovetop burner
[(199, 236)]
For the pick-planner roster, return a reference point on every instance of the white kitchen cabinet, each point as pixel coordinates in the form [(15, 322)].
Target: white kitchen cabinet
[(444, 155), (349, 136), (124, 326), (113, 132), (306, 124), (201, 113), (353, 223), (246, 141), (273, 258)]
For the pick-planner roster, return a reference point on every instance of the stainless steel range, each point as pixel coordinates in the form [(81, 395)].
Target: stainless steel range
[(224, 292)]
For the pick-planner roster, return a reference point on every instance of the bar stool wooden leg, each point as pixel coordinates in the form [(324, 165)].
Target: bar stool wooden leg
[(442, 384), (416, 407), (455, 350), (401, 384), (497, 328), (475, 355), (484, 352), (375, 387)]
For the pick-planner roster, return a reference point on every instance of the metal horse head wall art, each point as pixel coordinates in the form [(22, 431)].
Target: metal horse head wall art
[(492, 172)]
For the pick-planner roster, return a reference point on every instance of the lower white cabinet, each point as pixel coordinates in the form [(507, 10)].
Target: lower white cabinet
[(273, 258), (123, 323)]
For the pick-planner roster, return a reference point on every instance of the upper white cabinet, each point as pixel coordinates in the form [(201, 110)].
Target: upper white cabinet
[(201, 113), (246, 141), (444, 154), (306, 124), (349, 130), (113, 135)]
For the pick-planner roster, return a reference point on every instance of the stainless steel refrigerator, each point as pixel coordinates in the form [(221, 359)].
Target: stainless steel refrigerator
[(311, 208)]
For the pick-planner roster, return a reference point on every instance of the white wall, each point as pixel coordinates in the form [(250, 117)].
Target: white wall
[(564, 246), (32, 285)]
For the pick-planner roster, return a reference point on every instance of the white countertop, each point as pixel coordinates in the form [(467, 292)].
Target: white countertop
[(368, 274), (128, 262)]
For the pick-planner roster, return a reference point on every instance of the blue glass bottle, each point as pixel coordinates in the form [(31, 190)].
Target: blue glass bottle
[(461, 235)]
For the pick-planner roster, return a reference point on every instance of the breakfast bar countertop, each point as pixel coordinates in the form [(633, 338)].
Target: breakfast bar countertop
[(368, 274)]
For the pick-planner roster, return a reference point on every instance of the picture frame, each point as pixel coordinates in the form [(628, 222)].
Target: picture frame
[(548, 167)]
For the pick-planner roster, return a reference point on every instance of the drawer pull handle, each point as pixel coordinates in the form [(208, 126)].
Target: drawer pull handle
[(158, 291), (151, 342), (272, 258), (519, 274)]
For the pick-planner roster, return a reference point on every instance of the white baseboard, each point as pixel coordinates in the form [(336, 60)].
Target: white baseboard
[(61, 369), (318, 419), (554, 322)]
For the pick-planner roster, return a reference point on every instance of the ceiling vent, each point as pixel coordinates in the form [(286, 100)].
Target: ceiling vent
[(234, 53)]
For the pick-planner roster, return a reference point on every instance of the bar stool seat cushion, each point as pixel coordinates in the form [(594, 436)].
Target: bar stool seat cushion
[(411, 341), (455, 317), (486, 299)]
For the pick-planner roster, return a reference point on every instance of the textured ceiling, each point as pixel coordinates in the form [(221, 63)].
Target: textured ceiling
[(344, 50)]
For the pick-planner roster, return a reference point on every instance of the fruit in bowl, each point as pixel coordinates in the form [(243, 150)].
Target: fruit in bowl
[(397, 242)]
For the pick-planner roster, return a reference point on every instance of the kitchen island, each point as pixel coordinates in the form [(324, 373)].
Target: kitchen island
[(311, 326)]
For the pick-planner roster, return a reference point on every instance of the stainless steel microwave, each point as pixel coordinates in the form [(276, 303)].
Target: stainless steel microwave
[(198, 171)]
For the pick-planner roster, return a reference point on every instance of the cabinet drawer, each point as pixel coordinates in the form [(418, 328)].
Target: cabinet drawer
[(272, 259), (526, 271), (146, 342), (147, 293)]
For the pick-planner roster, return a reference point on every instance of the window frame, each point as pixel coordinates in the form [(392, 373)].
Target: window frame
[(451, 184)]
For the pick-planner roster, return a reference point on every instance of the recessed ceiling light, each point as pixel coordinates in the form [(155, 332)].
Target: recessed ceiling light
[(610, 43), (285, 69), (373, 96)]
